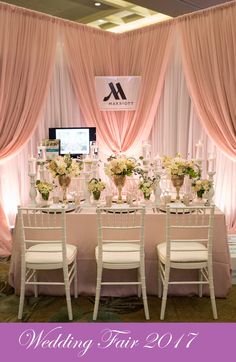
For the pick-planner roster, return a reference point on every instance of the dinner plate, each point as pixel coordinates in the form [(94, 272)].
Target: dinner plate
[(58, 207), (114, 201), (117, 209), (72, 201), (179, 209)]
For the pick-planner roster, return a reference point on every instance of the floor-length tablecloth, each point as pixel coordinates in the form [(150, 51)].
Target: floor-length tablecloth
[(5, 235), (82, 231)]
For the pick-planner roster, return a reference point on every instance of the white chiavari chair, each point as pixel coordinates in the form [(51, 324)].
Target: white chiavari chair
[(120, 246), (188, 246), (44, 247)]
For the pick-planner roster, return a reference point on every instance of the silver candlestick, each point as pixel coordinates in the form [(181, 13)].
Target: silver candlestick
[(41, 163), (33, 191), (158, 190), (32, 172), (146, 165), (199, 163), (87, 176), (211, 192)]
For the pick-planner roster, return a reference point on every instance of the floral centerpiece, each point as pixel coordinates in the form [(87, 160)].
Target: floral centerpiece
[(118, 167), (44, 188), (178, 167), (64, 167), (202, 186), (95, 186), (147, 185)]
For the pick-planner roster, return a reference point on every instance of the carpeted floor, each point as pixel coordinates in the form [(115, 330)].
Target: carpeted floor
[(53, 309)]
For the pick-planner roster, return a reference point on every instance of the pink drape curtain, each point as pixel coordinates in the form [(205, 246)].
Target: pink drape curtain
[(93, 53), (27, 56), (209, 59)]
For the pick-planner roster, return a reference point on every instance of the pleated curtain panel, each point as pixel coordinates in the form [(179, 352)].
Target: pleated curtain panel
[(208, 52), (47, 70), (27, 46)]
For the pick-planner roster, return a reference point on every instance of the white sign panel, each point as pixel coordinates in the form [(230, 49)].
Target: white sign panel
[(117, 93)]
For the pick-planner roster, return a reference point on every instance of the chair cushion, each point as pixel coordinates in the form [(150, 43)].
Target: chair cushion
[(183, 252), (120, 253), (49, 254)]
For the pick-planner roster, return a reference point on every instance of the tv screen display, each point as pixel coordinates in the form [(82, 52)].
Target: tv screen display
[(75, 141)]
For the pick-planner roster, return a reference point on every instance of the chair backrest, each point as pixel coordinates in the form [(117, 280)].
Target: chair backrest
[(189, 223), (121, 225), (42, 226)]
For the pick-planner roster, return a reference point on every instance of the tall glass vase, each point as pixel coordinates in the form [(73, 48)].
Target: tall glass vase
[(146, 197), (119, 181), (44, 199), (96, 195), (200, 195), (177, 181), (64, 182)]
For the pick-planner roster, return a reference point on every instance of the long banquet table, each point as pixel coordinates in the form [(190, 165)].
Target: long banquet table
[(82, 231)]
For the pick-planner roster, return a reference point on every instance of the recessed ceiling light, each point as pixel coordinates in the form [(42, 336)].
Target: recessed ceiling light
[(97, 3)]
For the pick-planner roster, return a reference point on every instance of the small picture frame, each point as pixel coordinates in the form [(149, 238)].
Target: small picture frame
[(52, 148)]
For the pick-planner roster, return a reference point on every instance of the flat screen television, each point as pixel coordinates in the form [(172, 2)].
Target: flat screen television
[(74, 140)]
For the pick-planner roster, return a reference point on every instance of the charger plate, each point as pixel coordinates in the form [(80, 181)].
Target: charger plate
[(58, 207), (118, 207), (178, 211)]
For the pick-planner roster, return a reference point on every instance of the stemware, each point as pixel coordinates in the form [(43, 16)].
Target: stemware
[(73, 191)]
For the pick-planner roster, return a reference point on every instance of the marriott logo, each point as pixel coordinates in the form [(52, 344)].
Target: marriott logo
[(117, 93)]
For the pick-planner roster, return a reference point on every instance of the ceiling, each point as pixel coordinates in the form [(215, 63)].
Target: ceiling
[(116, 15)]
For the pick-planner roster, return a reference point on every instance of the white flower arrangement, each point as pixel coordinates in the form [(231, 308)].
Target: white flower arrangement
[(96, 185), (64, 165), (44, 188), (147, 185), (120, 166), (180, 166), (201, 186)]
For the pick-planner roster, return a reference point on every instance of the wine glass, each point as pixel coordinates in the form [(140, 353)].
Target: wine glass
[(73, 190)]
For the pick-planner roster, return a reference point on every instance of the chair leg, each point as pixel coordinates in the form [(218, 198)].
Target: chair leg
[(200, 285), (139, 280), (68, 301), (144, 293), (159, 281), (212, 293), (165, 292), (75, 279), (35, 285), (22, 295), (67, 292), (98, 292), (145, 303)]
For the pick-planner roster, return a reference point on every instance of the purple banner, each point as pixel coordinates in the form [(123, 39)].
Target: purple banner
[(117, 342)]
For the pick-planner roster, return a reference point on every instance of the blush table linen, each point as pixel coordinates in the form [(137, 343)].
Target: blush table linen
[(82, 232), (5, 235)]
